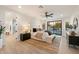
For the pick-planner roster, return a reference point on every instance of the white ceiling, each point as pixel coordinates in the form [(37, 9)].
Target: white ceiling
[(35, 11)]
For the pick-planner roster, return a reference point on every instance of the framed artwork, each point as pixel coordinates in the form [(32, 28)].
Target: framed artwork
[(43, 26), (75, 23), (68, 26)]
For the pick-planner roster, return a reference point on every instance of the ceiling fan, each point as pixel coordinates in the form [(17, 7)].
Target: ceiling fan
[(47, 14)]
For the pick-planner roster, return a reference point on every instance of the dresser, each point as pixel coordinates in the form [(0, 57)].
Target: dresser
[(72, 40), (25, 36)]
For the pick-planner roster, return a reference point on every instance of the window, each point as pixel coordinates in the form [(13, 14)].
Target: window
[(55, 27)]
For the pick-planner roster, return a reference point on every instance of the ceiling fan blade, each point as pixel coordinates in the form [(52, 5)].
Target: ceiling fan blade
[(46, 13), (51, 14)]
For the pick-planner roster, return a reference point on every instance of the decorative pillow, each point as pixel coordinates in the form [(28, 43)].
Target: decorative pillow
[(48, 32)]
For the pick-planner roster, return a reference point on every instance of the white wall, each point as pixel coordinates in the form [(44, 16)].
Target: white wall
[(7, 15), (2, 15), (10, 15)]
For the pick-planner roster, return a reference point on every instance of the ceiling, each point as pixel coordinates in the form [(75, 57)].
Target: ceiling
[(36, 12)]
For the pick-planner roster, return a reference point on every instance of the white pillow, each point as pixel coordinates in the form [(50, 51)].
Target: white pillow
[(45, 35)]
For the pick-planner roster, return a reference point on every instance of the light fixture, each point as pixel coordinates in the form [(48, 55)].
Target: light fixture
[(19, 6), (26, 28), (61, 15)]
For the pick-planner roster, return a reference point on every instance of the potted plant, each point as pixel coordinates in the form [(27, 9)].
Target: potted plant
[(1, 35)]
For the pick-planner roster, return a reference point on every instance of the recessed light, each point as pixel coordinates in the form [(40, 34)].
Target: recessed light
[(19, 6), (61, 15)]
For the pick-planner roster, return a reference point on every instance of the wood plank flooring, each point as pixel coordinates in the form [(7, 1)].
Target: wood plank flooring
[(30, 46)]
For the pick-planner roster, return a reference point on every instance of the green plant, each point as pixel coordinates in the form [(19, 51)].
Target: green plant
[(1, 30), (68, 25), (57, 25)]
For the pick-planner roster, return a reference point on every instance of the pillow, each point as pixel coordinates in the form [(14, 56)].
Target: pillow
[(48, 32)]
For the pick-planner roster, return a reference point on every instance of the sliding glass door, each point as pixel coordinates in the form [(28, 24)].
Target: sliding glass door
[(55, 27)]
